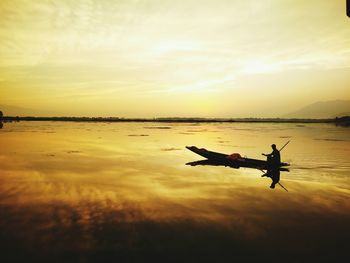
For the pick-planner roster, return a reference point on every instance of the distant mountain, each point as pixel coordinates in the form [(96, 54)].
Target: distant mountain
[(322, 110), (9, 110)]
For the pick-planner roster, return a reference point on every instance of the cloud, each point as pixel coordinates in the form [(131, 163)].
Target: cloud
[(164, 47)]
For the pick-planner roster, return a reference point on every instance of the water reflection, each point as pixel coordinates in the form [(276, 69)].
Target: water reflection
[(274, 174), (75, 192)]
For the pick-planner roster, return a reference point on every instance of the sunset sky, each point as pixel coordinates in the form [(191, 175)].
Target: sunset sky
[(156, 58)]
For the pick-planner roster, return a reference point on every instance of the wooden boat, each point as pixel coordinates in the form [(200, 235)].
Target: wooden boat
[(232, 160)]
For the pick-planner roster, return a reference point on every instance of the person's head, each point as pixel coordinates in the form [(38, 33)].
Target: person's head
[(273, 146)]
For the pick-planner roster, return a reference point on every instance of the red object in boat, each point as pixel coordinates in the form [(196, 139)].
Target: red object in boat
[(234, 156)]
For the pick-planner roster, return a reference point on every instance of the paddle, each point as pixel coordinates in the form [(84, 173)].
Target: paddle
[(281, 150), (282, 186), (284, 145)]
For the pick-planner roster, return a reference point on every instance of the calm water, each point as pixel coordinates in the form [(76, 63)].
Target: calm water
[(94, 191)]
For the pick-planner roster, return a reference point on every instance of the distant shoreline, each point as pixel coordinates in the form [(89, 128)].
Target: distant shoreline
[(341, 121), (206, 120)]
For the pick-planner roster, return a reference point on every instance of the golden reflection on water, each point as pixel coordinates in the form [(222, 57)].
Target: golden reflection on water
[(93, 187)]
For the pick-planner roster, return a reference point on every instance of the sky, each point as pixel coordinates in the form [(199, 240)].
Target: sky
[(162, 58)]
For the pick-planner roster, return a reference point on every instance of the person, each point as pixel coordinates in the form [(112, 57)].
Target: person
[(274, 161), (274, 158)]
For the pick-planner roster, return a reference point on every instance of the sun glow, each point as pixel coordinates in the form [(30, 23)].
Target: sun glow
[(172, 46), (258, 67)]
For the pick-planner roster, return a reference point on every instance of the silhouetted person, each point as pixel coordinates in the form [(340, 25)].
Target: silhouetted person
[(273, 164), (1, 125), (274, 158)]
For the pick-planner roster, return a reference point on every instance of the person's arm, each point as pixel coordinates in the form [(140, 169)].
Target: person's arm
[(269, 154)]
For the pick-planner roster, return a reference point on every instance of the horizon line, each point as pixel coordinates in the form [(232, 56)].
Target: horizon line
[(167, 119)]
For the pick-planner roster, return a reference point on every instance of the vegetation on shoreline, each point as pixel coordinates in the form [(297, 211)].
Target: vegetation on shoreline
[(342, 121), (116, 119)]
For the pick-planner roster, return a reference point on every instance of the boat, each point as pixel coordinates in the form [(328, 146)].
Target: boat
[(234, 160)]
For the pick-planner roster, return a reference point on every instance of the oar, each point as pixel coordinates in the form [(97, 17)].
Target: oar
[(281, 150), (282, 186), (284, 145)]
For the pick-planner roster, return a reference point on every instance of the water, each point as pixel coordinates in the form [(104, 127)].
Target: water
[(98, 191)]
